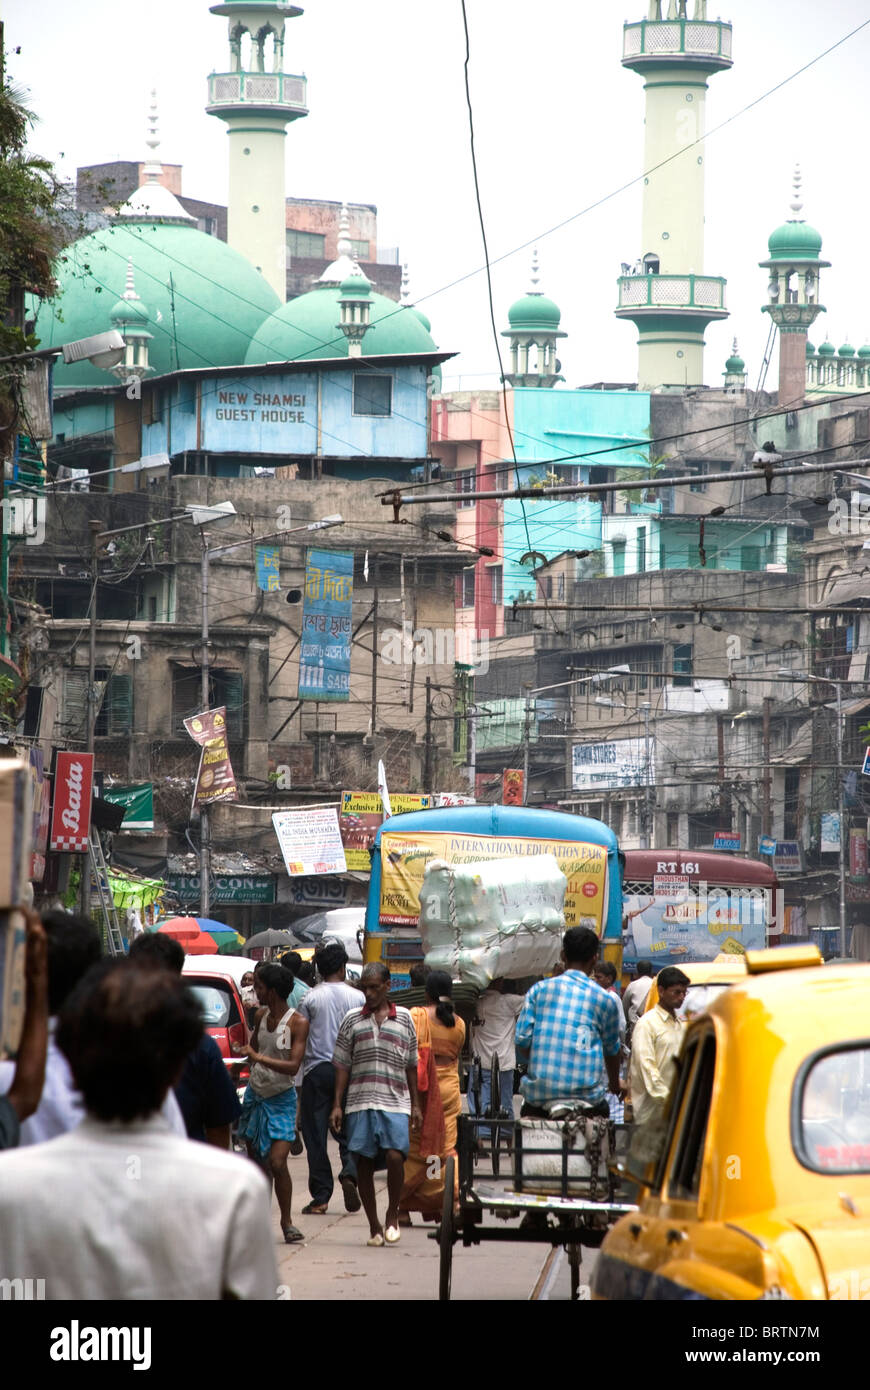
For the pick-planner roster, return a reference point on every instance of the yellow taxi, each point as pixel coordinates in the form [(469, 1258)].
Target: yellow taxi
[(707, 978), (762, 1187)]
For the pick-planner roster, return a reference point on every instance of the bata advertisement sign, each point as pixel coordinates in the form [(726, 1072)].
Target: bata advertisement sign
[(693, 922), (404, 858), (73, 789), (215, 780), (361, 817)]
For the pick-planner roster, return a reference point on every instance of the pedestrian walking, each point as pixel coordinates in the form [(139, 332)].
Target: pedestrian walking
[(322, 1011), (440, 1039), (120, 1207), (375, 1062), (268, 1123), (636, 994), (655, 1043)]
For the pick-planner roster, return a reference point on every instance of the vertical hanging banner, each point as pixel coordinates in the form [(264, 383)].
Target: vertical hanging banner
[(512, 786), (324, 659), (268, 568), (71, 814), (215, 780)]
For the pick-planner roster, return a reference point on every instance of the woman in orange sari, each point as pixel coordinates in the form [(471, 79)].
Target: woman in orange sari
[(440, 1039)]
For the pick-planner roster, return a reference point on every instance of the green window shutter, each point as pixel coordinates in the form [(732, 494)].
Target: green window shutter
[(232, 694), (72, 718), (119, 705)]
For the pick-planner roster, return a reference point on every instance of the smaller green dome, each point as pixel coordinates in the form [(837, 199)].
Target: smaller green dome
[(794, 241), (129, 311), (534, 311), (846, 350), (826, 349), (864, 351), (734, 365), (355, 287), (811, 352)]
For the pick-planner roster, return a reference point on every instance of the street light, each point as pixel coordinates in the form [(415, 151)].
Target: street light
[(101, 349), (786, 671)]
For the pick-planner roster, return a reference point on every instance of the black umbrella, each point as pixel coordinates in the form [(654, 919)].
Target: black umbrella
[(270, 938)]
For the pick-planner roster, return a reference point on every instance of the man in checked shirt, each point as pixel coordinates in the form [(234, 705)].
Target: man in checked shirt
[(568, 1032)]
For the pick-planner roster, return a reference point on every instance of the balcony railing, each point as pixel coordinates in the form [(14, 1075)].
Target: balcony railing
[(279, 89), (672, 292), (677, 38)]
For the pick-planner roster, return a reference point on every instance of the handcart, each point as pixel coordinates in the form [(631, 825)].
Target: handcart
[(560, 1179)]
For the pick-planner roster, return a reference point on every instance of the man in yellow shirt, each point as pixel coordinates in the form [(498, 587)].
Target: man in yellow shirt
[(655, 1043)]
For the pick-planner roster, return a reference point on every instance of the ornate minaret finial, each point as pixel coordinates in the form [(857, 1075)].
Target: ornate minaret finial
[(130, 317), (152, 169), (406, 286)]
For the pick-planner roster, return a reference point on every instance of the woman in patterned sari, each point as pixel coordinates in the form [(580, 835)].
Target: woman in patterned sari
[(440, 1039)]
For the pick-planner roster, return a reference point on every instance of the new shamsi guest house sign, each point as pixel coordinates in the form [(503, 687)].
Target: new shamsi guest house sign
[(71, 814)]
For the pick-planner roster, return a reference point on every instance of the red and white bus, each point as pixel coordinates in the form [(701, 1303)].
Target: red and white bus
[(684, 905)]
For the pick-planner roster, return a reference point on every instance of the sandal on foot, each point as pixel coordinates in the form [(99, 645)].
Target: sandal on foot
[(292, 1235), (375, 1240), (315, 1209), (351, 1196), (392, 1235)]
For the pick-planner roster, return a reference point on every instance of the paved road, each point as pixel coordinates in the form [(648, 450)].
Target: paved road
[(335, 1262)]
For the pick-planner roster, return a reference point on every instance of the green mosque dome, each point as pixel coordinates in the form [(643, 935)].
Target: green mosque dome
[(846, 350), (735, 364), (129, 311), (534, 313), (811, 351), (306, 328), (355, 287), (206, 302), (864, 351), (794, 241), (826, 349)]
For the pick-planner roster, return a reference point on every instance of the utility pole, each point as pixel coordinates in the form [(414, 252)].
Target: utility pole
[(427, 744), (375, 669), (765, 757), (204, 828), (95, 529), (648, 827), (724, 793), (842, 818)]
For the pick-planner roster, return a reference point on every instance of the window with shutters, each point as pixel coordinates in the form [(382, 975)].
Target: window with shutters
[(71, 722), (115, 704), (225, 688), (308, 244)]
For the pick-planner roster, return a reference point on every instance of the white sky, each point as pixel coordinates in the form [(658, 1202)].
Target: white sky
[(559, 125)]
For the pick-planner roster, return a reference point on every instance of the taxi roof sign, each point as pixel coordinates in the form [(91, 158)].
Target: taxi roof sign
[(783, 958)]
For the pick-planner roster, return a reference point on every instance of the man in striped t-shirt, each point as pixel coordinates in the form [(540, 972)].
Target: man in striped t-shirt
[(375, 1062)]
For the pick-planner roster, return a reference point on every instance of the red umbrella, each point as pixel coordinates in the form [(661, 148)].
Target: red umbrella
[(187, 932)]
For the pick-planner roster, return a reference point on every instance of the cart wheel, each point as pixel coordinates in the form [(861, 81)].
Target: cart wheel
[(447, 1231)]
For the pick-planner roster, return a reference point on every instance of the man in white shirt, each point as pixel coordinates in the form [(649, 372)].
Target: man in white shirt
[(636, 994), (495, 1026), (73, 947), (655, 1043), (120, 1208)]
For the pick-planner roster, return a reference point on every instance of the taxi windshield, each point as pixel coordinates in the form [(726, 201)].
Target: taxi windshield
[(698, 999), (834, 1116)]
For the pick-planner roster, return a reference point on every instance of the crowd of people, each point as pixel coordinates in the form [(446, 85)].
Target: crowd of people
[(103, 1193)]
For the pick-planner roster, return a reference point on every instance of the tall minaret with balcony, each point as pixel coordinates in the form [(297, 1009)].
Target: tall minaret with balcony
[(257, 100), (665, 292)]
